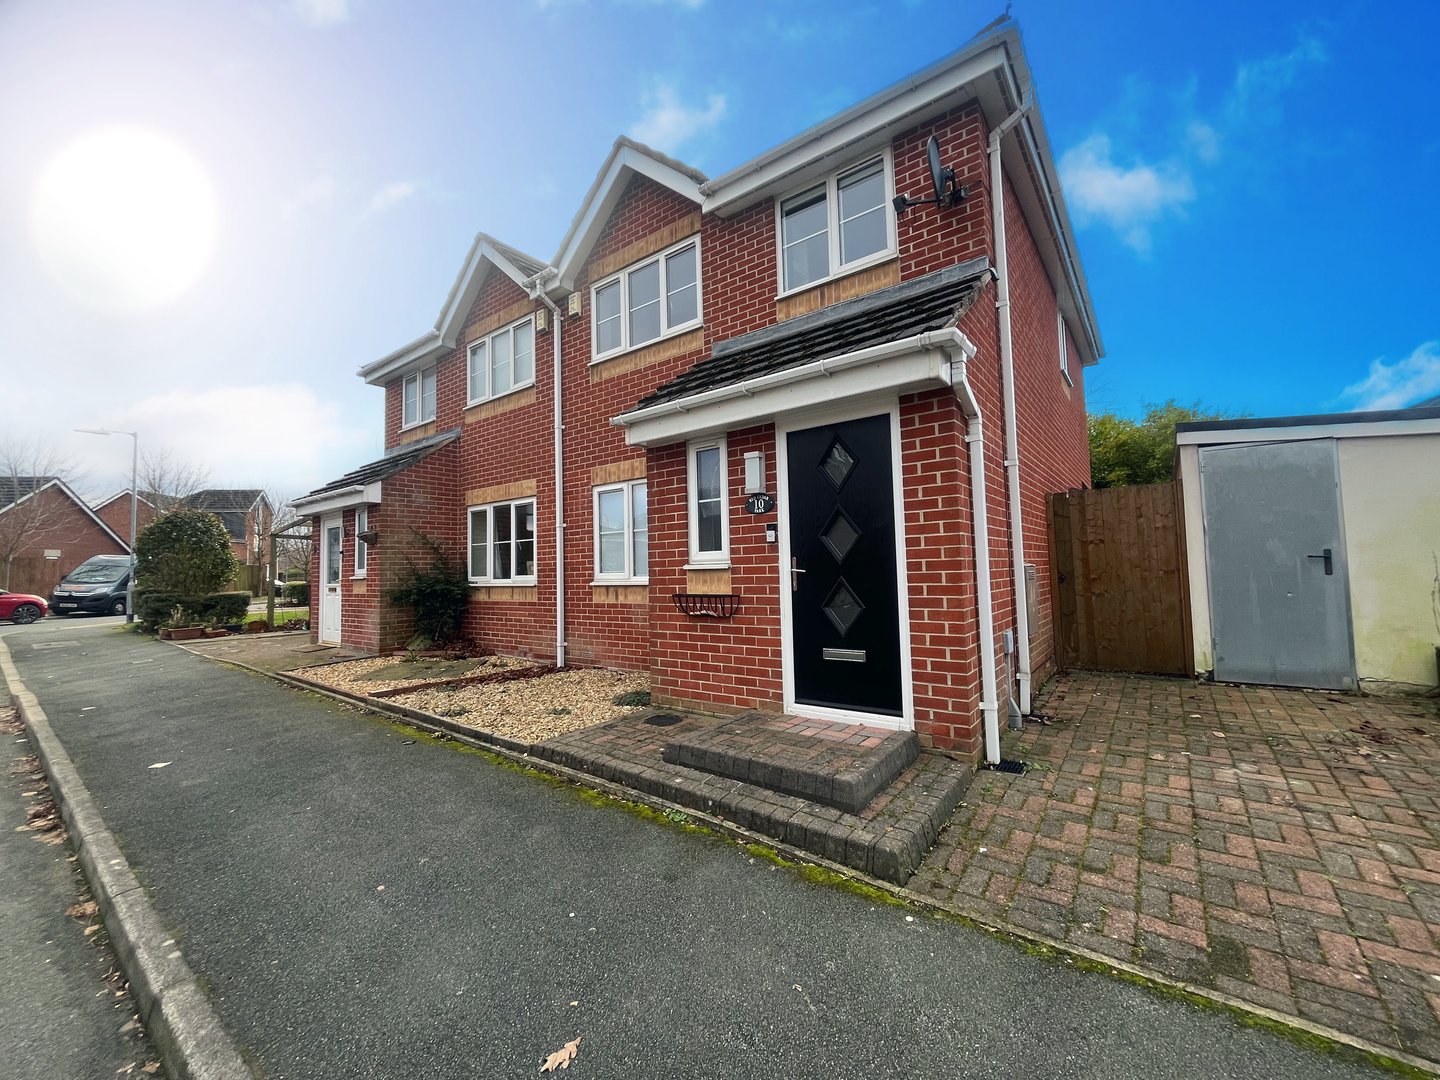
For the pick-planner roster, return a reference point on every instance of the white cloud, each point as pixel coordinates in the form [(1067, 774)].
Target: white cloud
[(668, 123), (317, 191), (390, 195), (1267, 76), (1397, 385), (1204, 141), (1128, 198), (322, 12)]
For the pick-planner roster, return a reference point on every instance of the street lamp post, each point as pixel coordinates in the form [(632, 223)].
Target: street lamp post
[(134, 504)]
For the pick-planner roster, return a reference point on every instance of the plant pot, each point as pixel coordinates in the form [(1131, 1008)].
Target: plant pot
[(164, 633), (256, 626), (234, 628), (216, 631), (187, 633)]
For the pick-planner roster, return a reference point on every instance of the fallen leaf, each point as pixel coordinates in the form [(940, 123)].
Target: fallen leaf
[(1218, 734), (379, 888), (83, 910), (159, 764), (91, 929), (561, 1058), (151, 1067)]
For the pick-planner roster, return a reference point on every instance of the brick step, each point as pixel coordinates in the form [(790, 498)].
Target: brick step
[(888, 839), (840, 765)]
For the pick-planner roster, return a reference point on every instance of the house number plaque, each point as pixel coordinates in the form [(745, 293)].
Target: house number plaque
[(760, 503)]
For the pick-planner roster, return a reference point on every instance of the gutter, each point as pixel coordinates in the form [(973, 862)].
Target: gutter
[(536, 288), (1007, 380)]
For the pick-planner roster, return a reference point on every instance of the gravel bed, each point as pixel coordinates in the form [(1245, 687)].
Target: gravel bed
[(389, 673), (532, 710)]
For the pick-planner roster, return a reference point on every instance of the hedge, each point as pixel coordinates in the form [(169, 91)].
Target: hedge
[(153, 609), (297, 592)]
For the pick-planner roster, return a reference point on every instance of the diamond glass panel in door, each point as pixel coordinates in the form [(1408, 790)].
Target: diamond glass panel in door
[(805, 238), (332, 555), (612, 531), (645, 303), (862, 213), (524, 358), (843, 607), (707, 499), (682, 296), (840, 535), (607, 318), (838, 464), (525, 540)]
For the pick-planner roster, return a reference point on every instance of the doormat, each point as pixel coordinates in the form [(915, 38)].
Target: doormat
[(662, 720), (1009, 765)]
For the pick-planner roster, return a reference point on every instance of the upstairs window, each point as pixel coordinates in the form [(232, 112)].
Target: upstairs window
[(418, 398), (502, 543), (837, 225), (502, 362), (648, 301)]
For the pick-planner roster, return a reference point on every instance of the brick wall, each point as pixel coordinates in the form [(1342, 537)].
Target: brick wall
[(116, 514), (58, 525)]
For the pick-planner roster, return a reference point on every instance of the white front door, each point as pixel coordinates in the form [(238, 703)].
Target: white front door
[(330, 533)]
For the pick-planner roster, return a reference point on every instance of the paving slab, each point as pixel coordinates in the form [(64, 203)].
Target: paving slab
[(1279, 846)]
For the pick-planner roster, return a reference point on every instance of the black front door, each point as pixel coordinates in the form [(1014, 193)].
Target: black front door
[(845, 630)]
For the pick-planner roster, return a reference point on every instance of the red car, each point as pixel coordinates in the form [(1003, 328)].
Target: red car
[(21, 607)]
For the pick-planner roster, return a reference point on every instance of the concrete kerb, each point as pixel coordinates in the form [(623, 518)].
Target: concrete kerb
[(519, 753), (175, 1012)]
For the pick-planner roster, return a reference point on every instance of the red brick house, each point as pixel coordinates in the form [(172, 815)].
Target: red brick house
[(115, 512), (46, 530), (777, 437)]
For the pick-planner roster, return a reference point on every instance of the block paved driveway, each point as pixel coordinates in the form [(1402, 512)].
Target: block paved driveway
[(516, 915), (1282, 846)]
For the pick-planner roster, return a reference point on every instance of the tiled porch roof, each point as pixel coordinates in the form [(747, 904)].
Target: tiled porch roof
[(400, 458), (912, 307)]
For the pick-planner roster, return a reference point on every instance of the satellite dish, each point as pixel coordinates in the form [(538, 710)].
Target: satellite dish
[(942, 181)]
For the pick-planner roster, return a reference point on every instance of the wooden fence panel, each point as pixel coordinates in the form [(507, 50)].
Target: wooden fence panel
[(1122, 600), (34, 574)]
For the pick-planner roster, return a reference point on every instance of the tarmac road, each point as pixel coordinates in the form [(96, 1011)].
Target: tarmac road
[(358, 904)]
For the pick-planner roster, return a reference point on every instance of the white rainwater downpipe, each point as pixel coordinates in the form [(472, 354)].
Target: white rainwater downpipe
[(537, 290), (980, 535), (1007, 382)]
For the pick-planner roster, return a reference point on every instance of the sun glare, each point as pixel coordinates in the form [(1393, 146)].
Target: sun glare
[(124, 219)]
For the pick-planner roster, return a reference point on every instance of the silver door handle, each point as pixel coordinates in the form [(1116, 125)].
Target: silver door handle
[(794, 570)]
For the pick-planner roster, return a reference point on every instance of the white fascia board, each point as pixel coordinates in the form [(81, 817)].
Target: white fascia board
[(1301, 432), (914, 363), (343, 499), (418, 353), (624, 161), (870, 119)]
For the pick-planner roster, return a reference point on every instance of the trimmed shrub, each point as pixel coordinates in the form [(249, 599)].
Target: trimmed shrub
[(222, 608), (297, 592), (437, 594), (153, 609), (186, 552)]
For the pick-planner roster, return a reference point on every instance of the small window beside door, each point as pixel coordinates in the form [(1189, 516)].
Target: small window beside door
[(708, 503), (362, 524)]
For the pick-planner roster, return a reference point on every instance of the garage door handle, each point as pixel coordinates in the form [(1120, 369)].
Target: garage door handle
[(1329, 556)]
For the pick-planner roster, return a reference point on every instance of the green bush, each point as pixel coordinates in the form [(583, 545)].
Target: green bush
[(297, 592), (437, 594), (186, 552), (153, 608)]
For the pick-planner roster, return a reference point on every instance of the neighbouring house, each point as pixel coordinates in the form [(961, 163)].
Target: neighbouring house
[(777, 437), (1314, 548), (115, 512), (246, 514), (46, 530)]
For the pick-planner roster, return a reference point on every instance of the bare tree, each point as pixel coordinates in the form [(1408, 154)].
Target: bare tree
[(30, 506), (293, 544), (167, 481)]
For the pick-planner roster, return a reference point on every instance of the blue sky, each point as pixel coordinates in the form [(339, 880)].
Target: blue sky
[(1252, 185)]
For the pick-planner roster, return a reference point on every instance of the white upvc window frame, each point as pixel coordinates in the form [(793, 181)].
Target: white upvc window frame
[(362, 552), (628, 575), (622, 279), (831, 184), (487, 343), (490, 510), (419, 379), (1064, 348), (707, 560)]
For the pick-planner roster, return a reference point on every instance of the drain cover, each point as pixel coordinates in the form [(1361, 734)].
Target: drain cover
[(1009, 765), (663, 719)]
